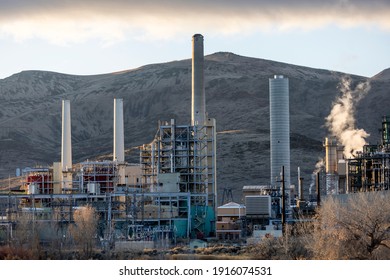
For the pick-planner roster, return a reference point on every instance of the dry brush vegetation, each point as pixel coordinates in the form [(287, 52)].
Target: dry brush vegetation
[(345, 228)]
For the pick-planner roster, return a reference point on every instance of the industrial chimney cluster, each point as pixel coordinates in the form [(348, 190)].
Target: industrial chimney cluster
[(170, 195)]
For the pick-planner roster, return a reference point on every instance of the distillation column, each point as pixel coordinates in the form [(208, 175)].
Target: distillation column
[(331, 161)]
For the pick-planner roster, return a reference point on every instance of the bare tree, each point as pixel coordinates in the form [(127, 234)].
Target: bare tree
[(290, 246), (355, 226), (84, 229), (27, 235)]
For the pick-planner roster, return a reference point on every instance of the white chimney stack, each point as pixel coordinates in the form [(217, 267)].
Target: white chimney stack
[(198, 112), (66, 146), (119, 145)]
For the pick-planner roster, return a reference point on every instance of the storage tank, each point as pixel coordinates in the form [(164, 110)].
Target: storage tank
[(33, 188), (279, 129), (93, 188)]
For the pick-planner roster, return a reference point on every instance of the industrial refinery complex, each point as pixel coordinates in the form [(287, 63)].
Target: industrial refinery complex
[(171, 195)]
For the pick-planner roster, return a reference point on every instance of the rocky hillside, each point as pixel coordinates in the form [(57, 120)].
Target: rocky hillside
[(237, 96)]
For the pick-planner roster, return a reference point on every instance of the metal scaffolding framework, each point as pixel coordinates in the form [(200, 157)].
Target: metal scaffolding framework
[(369, 171), (189, 152), (130, 215), (130, 212)]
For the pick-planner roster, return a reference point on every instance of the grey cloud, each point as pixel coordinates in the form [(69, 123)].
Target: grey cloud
[(23, 7), (23, 19)]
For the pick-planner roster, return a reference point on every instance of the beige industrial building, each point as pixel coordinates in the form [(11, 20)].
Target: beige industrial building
[(230, 221)]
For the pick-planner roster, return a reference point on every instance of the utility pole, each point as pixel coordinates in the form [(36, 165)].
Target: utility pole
[(283, 204)]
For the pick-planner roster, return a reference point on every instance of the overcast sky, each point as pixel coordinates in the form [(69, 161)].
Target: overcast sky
[(99, 36)]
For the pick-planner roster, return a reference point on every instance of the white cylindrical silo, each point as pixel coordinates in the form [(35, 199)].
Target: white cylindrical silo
[(66, 145), (279, 129), (198, 108), (119, 140)]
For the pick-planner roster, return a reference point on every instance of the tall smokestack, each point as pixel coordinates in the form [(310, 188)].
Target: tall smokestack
[(119, 145), (66, 145), (279, 128), (198, 112)]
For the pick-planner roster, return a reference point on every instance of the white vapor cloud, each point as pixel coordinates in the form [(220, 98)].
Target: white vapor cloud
[(74, 21), (341, 120), (320, 164)]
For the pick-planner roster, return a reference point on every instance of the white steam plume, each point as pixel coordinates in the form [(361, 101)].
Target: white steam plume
[(341, 120)]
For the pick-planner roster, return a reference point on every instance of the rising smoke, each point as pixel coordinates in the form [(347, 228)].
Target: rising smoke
[(341, 120), (319, 166)]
